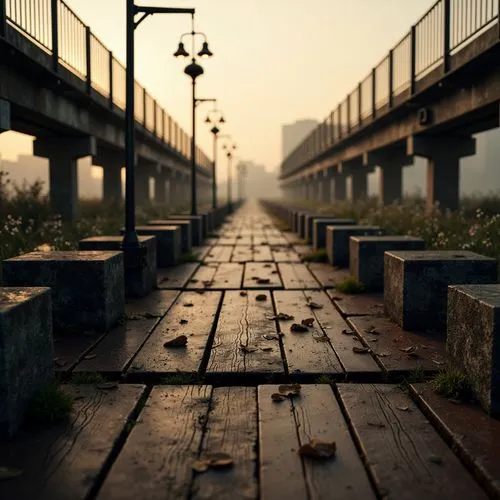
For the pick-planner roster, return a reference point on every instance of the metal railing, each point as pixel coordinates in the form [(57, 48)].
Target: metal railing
[(446, 28), (53, 27)]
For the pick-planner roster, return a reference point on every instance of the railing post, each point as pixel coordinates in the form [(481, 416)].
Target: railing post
[(374, 93), (391, 77), (3, 17), (144, 110), (348, 101), (360, 105), (88, 59), (110, 69), (339, 121), (154, 118), (163, 124), (54, 14), (413, 60), (446, 34)]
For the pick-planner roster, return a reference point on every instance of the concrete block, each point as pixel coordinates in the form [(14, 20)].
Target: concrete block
[(366, 256), (197, 234), (416, 283), (26, 352), (308, 224), (140, 279), (88, 288), (337, 241), (301, 224), (5, 124), (185, 227), (319, 229), (473, 339), (168, 243)]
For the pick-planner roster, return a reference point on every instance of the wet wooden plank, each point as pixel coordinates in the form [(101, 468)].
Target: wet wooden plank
[(285, 255), (405, 455), (203, 277), (228, 275), (231, 428), (69, 348), (333, 325), (309, 352), (325, 273), (62, 462), (158, 454), (392, 342), (470, 431), (243, 322), (318, 416), (242, 254), (219, 254), (297, 276), (281, 474), (177, 276), (255, 271), (262, 254), (361, 304), (157, 303), (196, 322)]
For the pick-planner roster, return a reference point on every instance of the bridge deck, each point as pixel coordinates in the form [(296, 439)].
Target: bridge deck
[(172, 405)]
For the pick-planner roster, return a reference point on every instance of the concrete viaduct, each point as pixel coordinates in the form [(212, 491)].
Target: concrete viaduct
[(435, 89), (59, 83)]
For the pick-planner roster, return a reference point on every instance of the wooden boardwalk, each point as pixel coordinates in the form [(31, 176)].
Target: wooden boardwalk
[(149, 435)]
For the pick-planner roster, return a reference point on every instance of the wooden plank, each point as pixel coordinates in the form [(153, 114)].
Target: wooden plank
[(472, 433), (219, 254), (177, 276), (405, 456), (318, 416), (292, 238), (231, 428), (260, 240), (306, 353), (362, 304), (390, 342), (257, 270), (227, 241), (228, 275), (281, 474), (302, 249), (155, 462), (157, 303), (203, 277), (244, 321), (242, 254), (332, 323), (262, 254), (201, 252), (195, 322), (277, 241), (62, 461), (243, 240), (325, 273), (297, 276), (285, 255)]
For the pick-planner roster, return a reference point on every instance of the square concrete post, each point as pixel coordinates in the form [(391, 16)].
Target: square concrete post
[(111, 162), (443, 166), (339, 187), (63, 154), (5, 124)]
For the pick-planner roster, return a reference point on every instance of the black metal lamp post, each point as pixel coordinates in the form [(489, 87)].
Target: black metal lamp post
[(193, 70), (215, 130), (229, 155), (130, 241)]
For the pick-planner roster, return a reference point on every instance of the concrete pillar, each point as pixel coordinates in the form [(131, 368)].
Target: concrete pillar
[(326, 186), (160, 185), (111, 162), (339, 188), (63, 154), (359, 183), (443, 155), (5, 124), (142, 185)]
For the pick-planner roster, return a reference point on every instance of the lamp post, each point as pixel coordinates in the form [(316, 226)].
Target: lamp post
[(229, 155), (242, 173), (193, 70), (130, 240), (215, 130)]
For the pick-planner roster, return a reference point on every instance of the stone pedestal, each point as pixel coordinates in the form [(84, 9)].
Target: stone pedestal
[(88, 289), (473, 339), (366, 256), (168, 243), (337, 241), (308, 224), (415, 284), (140, 279), (301, 224), (319, 229), (26, 352), (185, 227), (197, 233)]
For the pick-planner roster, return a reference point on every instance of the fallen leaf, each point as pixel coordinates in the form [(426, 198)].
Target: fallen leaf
[(318, 449), (278, 398), (347, 332), (106, 386), (247, 350), (149, 315), (299, 328), (360, 350), (435, 459), (336, 298), (220, 460), (413, 355), (383, 354), (289, 390), (407, 349), (9, 473), (308, 322), (263, 281), (183, 321), (60, 362), (179, 341), (403, 408), (324, 338), (193, 280), (438, 362), (267, 265), (269, 337), (372, 330), (274, 272), (261, 298), (188, 304), (378, 425), (315, 305), (283, 317), (243, 294), (266, 348), (90, 356)]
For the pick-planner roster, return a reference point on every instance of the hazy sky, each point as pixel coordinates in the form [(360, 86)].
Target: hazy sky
[(275, 61)]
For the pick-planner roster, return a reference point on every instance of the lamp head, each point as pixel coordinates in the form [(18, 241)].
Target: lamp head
[(181, 51), (193, 70), (205, 51), (214, 130), (222, 120), (207, 120)]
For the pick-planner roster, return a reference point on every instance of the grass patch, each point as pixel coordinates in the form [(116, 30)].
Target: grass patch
[(324, 379), (350, 285), (453, 384), (320, 255), (189, 257), (87, 378), (50, 405)]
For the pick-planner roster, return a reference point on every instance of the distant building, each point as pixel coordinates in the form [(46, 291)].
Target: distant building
[(293, 134)]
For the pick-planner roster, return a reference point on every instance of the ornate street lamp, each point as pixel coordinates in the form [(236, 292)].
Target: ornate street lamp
[(215, 131), (229, 153)]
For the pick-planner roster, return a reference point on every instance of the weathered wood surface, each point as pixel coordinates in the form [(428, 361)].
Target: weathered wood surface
[(204, 276), (196, 322), (405, 455), (176, 277), (228, 275), (155, 462), (219, 254), (157, 303), (327, 275), (297, 276), (260, 240), (283, 254), (362, 304), (242, 254), (261, 275), (63, 461), (201, 252), (262, 254)]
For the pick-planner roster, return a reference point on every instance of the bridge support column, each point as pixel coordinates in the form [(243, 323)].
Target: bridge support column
[(160, 186), (443, 167), (4, 116), (359, 184), (339, 187), (63, 154), (326, 186), (142, 185), (111, 163)]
